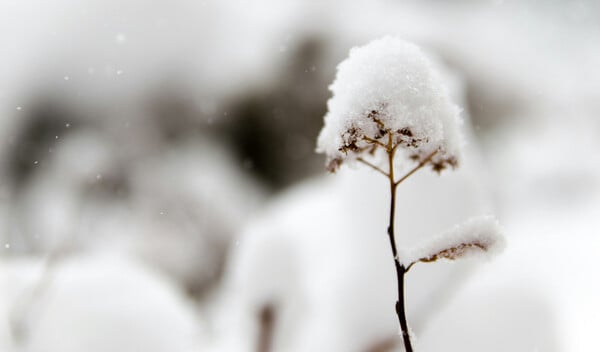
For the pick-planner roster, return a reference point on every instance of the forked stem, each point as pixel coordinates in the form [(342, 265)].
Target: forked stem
[(416, 168), (401, 270), (373, 166)]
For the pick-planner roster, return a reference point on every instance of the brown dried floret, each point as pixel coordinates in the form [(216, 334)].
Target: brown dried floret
[(455, 252), (406, 138), (333, 164), (442, 164), (405, 132), (350, 138)]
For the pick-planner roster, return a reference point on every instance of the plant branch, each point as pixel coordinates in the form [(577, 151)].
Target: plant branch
[(374, 141), (416, 168), (401, 270), (374, 167)]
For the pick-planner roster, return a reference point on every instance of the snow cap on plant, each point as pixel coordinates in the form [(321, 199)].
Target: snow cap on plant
[(387, 93)]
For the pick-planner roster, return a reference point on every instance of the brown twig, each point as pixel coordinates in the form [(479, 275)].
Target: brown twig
[(416, 168), (401, 270), (374, 167), (374, 141)]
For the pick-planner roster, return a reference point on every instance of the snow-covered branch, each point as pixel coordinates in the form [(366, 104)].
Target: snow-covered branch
[(476, 236)]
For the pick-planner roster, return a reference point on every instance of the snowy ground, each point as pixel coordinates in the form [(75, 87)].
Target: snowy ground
[(158, 190)]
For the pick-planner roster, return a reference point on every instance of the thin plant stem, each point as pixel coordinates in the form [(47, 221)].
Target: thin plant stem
[(374, 141), (400, 269), (416, 168), (374, 167)]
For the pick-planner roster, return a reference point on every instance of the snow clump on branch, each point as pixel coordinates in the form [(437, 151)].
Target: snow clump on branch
[(477, 236), (387, 95)]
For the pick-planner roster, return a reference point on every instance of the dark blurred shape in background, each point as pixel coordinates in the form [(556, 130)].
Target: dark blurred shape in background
[(274, 130)]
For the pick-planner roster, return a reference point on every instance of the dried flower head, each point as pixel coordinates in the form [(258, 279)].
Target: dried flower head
[(387, 94)]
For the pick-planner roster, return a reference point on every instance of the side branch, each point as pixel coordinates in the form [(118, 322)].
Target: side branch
[(477, 236), (451, 253), (374, 167), (416, 168), (374, 141), (454, 252)]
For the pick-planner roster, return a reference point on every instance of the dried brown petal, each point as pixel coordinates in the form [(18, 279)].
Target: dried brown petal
[(455, 252), (333, 165)]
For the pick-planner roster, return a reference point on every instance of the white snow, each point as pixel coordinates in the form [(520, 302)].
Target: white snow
[(478, 235), (183, 204), (94, 303), (539, 295), (392, 81)]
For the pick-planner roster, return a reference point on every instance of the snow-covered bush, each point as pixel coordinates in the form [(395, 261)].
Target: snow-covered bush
[(176, 207), (98, 302), (387, 102)]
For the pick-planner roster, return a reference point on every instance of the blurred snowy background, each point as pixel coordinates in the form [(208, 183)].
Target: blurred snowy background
[(159, 189)]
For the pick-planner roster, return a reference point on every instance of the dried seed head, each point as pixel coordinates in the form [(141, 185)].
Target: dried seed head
[(388, 88)]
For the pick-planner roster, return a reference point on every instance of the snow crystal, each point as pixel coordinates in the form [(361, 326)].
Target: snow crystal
[(390, 85), (476, 235)]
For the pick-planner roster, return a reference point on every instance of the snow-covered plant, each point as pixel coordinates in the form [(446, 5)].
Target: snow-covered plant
[(390, 110)]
